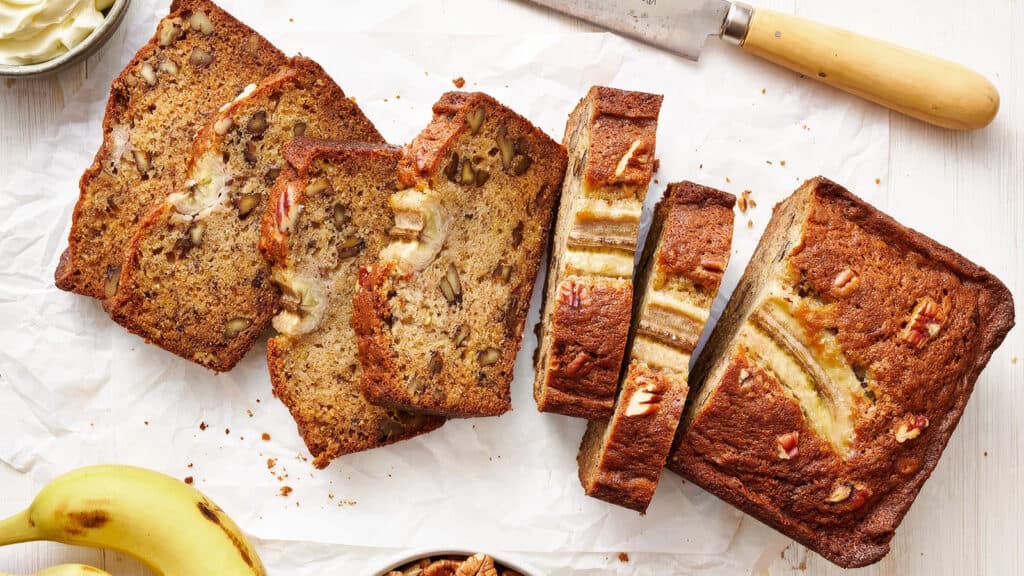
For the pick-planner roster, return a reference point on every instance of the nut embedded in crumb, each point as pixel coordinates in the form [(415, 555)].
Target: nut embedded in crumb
[(459, 82)]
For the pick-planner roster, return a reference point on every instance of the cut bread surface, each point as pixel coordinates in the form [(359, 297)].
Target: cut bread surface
[(584, 326), (440, 316), (685, 257), (199, 58), (193, 281), (335, 218), (838, 372)]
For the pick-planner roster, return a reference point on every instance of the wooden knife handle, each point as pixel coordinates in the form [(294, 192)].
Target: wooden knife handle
[(925, 87)]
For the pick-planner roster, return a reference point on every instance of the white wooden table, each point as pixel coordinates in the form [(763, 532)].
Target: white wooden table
[(969, 518)]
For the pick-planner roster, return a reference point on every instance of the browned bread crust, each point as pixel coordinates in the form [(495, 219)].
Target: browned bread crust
[(589, 293), (911, 321), (482, 183), (685, 257), (316, 373), (193, 281), (199, 58)]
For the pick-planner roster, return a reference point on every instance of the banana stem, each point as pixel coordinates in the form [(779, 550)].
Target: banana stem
[(17, 529)]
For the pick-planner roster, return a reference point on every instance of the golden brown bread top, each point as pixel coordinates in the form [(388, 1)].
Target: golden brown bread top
[(915, 323), (697, 233)]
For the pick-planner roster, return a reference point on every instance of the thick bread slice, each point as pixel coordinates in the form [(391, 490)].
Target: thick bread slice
[(328, 215), (440, 317), (686, 253), (585, 323), (199, 58), (837, 373), (193, 281)]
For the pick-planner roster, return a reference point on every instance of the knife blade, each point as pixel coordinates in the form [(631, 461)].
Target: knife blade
[(919, 85), (680, 26)]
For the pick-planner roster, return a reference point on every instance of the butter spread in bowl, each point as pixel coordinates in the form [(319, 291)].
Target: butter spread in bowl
[(34, 31)]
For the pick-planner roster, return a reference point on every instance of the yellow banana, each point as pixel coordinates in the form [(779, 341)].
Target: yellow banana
[(69, 570), (170, 526)]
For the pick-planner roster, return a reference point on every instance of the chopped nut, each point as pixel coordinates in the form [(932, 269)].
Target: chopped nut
[(482, 176), (316, 186), (170, 31), (148, 74), (195, 233), (787, 445), (502, 272), (299, 129), (257, 123), (910, 428), (235, 326), (745, 201), (350, 247), (250, 153), (271, 176), (488, 356), (713, 265), (845, 282), (573, 293), (223, 126), (507, 147), (141, 160), (645, 400), (451, 286), (517, 235), (168, 66), (201, 22), (520, 164), (111, 281), (924, 324), (460, 336), (435, 364), (452, 169), (839, 493), (246, 203), (477, 565), (475, 119), (341, 216), (200, 58), (468, 174)]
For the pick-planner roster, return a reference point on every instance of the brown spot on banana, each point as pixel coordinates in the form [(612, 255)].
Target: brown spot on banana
[(211, 512)]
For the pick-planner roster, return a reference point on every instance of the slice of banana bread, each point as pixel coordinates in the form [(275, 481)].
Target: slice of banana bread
[(193, 281), (687, 251), (328, 215), (838, 372), (199, 58), (440, 316), (585, 323)]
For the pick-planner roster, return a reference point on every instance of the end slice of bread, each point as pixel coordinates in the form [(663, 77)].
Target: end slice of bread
[(440, 315), (193, 281), (585, 323), (328, 214), (199, 58), (686, 254)]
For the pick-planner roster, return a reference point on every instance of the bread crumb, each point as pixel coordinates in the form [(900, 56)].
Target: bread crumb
[(189, 480), (750, 223), (806, 128), (285, 491), (189, 465), (203, 426), (782, 163), (249, 411), (623, 557), (985, 453), (764, 90), (728, 180), (878, 180), (657, 164), (265, 437), (459, 82), (227, 431), (353, 100), (271, 463), (745, 201), (146, 422), (1013, 360), (291, 20), (398, 96)]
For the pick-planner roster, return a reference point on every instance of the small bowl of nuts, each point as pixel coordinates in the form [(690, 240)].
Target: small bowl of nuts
[(44, 36), (455, 563)]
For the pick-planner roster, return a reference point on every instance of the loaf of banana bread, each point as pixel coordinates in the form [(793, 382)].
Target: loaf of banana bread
[(440, 316), (686, 253), (328, 214), (585, 321), (200, 58), (193, 281), (838, 372)]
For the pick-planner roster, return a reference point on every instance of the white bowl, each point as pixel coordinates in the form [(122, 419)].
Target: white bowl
[(501, 559), (86, 48)]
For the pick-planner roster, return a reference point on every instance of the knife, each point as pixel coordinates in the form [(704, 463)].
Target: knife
[(919, 85)]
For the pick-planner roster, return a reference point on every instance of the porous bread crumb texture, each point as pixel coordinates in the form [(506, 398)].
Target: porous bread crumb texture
[(585, 321), (343, 190), (684, 260), (439, 327), (193, 281), (199, 59), (840, 368)]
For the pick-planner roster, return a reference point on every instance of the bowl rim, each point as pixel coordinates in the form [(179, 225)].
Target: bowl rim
[(420, 553), (83, 50)]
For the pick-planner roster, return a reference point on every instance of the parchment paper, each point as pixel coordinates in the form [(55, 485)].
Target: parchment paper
[(76, 389)]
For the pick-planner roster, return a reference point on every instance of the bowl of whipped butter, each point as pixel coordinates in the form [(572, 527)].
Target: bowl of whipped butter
[(42, 36)]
